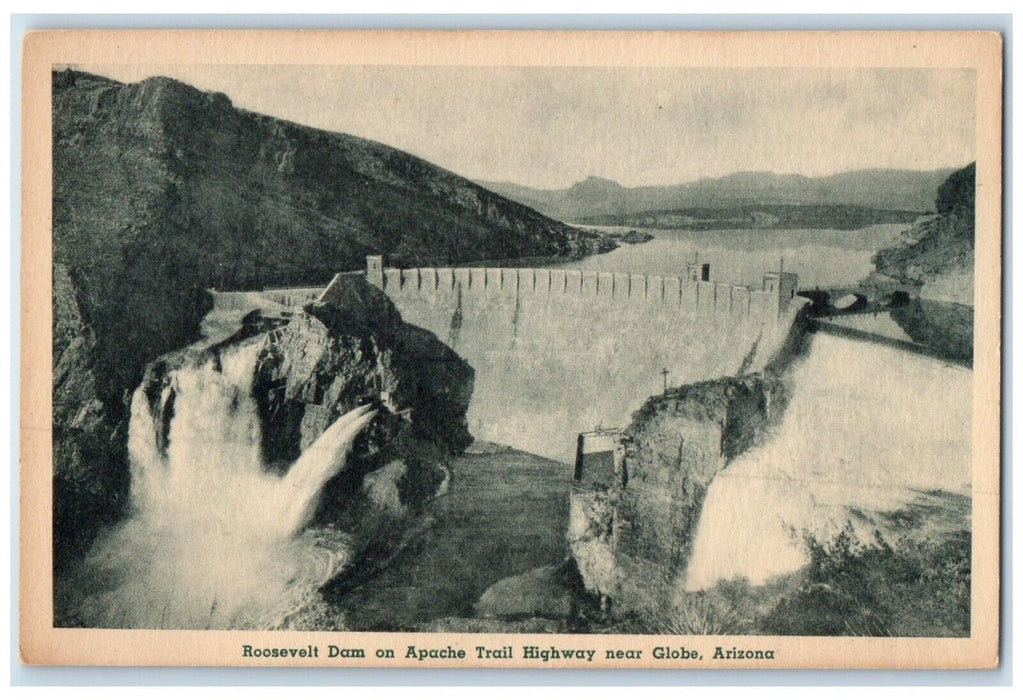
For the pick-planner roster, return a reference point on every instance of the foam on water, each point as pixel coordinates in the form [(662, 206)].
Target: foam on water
[(215, 540), (867, 430)]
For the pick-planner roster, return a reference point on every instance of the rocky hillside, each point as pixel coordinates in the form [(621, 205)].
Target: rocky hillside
[(160, 191), (937, 254), (253, 199)]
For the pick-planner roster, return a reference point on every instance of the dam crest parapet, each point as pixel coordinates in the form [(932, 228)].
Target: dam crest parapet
[(689, 294)]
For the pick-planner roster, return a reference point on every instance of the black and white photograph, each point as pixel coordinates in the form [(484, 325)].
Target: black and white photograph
[(527, 360)]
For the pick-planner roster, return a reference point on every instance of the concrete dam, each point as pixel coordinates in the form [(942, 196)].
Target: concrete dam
[(560, 352)]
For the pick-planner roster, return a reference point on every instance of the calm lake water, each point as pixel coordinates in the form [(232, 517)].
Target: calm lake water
[(821, 257)]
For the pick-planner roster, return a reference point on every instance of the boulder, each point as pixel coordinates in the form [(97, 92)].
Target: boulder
[(544, 592)]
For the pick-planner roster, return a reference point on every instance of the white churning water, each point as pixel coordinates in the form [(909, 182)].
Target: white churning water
[(214, 539), (868, 429)]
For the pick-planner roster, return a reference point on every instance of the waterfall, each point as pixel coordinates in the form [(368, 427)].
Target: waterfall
[(298, 492), (869, 430), (215, 540)]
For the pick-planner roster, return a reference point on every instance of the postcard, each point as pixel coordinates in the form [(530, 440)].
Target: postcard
[(506, 349)]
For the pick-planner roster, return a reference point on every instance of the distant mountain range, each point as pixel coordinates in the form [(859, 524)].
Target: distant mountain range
[(601, 201)]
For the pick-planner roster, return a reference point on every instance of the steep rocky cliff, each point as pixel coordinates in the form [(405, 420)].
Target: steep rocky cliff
[(937, 254), (936, 258), (161, 191), (631, 539), (351, 348), (89, 432), (247, 199)]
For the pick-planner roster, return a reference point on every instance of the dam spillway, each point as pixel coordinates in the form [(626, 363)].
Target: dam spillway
[(559, 352)]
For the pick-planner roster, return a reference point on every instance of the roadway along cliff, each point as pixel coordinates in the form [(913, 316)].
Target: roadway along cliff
[(937, 254), (936, 257)]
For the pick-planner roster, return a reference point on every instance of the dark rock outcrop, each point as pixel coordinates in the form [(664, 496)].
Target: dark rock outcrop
[(940, 247), (88, 428), (958, 191), (545, 592), (632, 541), (353, 348), (944, 327)]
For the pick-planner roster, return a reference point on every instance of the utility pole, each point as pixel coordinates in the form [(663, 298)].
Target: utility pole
[(665, 373)]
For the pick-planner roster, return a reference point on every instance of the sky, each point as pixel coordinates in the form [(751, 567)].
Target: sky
[(551, 127)]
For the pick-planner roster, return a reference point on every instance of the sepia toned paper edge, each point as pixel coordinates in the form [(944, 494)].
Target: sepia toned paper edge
[(41, 643)]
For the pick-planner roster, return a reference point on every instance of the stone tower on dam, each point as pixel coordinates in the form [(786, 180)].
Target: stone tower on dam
[(558, 352)]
